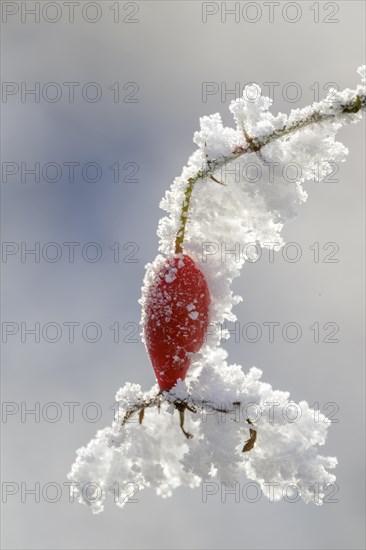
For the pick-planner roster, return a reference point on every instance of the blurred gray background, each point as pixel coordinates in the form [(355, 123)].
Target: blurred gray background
[(169, 52)]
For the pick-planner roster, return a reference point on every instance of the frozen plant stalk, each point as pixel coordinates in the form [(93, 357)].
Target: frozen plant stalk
[(221, 396)]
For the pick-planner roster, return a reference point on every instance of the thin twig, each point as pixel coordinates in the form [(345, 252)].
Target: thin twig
[(192, 405), (254, 145)]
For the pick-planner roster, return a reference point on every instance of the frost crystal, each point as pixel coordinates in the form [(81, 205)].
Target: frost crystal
[(262, 191)]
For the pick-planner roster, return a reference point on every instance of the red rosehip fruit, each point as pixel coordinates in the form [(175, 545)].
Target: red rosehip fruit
[(176, 318)]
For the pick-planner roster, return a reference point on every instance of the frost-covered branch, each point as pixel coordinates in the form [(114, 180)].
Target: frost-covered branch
[(185, 403), (338, 108), (226, 404)]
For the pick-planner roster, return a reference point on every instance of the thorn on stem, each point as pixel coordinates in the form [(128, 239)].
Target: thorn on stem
[(247, 136), (249, 444), (217, 181), (181, 418), (126, 417)]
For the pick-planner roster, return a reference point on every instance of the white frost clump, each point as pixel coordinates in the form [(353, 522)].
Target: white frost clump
[(156, 454), (262, 191)]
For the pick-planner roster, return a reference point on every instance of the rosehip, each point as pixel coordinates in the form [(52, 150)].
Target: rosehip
[(176, 320)]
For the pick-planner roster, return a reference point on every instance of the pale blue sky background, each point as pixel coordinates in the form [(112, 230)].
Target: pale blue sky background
[(169, 53)]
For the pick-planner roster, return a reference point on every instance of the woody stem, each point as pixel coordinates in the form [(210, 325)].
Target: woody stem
[(254, 145)]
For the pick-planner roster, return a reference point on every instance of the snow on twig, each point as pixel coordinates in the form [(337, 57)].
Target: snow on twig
[(207, 220)]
